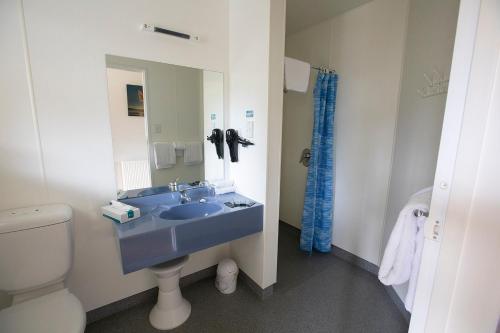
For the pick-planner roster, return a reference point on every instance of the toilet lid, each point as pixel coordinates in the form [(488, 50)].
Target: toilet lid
[(57, 312)]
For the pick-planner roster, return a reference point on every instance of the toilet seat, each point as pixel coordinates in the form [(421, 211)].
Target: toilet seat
[(57, 312)]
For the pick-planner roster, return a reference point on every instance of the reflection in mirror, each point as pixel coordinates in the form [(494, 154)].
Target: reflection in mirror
[(161, 116)]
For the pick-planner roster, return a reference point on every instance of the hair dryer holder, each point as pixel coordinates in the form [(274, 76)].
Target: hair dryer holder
[(217, 138), (233, 140)]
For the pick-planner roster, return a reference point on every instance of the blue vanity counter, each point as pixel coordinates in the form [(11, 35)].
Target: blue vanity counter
[(150, 239)]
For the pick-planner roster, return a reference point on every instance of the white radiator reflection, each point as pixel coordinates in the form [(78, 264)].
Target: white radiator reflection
[(135, 174)]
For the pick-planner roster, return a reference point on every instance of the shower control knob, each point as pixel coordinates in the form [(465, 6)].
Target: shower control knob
[(305, 157)]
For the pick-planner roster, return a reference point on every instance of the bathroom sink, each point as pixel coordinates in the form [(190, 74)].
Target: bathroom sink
[(168, 229), (191, 211)]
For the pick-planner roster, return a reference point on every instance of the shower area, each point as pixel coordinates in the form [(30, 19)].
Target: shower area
[(392, 61)]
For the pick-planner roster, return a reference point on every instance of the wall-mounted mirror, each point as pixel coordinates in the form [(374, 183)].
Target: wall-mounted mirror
[(161, 115)]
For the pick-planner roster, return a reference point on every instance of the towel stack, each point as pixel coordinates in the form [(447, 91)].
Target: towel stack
[(166, 153), (223, 186)]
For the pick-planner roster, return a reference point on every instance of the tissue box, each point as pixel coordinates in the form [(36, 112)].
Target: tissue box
[(120, 212)]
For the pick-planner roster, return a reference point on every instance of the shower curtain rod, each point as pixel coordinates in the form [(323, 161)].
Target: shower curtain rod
[(321, 69)]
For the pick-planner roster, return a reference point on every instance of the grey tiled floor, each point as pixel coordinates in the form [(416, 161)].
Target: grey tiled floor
[(318, 293)]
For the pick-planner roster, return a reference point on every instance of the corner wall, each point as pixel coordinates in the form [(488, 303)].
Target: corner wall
[(256, 38)]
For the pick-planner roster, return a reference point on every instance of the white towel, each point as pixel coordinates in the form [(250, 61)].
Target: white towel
[(224, 190), (193, 153), (164, 155), (296, 74), (403, 251)]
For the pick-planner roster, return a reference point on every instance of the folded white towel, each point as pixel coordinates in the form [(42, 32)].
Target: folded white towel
[(224, 190), (403, 251), (222, 183), (193, 153), (164, 155), (296, 74)]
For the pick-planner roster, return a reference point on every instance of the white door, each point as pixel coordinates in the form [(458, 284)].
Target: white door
[(465, 157)]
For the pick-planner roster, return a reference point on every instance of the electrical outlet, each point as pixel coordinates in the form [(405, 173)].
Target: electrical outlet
[(249, 126)]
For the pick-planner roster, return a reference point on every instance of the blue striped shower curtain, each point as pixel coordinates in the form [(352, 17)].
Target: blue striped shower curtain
[(317, 217)]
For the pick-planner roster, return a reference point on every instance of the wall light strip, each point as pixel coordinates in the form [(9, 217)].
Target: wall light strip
[(154, 28)]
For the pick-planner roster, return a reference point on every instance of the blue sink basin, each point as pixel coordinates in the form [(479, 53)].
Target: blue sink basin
[(191, 211)]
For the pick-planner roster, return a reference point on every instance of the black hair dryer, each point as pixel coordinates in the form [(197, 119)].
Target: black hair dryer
[(233, 140), (217, 138)]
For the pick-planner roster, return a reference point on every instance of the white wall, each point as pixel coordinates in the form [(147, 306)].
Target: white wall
[(429, 46), (67, 46), (128, 133), (255, 83), (365, 46), (21, 170)]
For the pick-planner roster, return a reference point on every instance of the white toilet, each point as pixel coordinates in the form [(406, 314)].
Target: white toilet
[(36, 250)]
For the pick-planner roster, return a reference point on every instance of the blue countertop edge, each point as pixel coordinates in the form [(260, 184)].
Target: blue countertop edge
[(150, 240)]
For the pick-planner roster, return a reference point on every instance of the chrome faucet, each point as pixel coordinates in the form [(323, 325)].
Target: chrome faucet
[(183, 191), (172, 186), (185, 198)]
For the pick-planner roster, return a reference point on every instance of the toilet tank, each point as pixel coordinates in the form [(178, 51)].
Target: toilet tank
[(35, 246)]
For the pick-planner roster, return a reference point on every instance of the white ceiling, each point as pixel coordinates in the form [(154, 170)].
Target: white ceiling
[(301, 14)]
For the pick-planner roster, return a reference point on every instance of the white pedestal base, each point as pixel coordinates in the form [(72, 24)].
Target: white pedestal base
[(172, 309)]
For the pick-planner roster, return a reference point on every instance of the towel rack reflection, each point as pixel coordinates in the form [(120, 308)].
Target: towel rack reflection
[(419, 212)]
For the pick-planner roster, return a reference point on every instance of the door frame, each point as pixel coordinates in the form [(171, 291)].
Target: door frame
[(463, 54)]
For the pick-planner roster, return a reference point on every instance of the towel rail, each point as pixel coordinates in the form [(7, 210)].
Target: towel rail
[(323, 69), (419, 212)]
